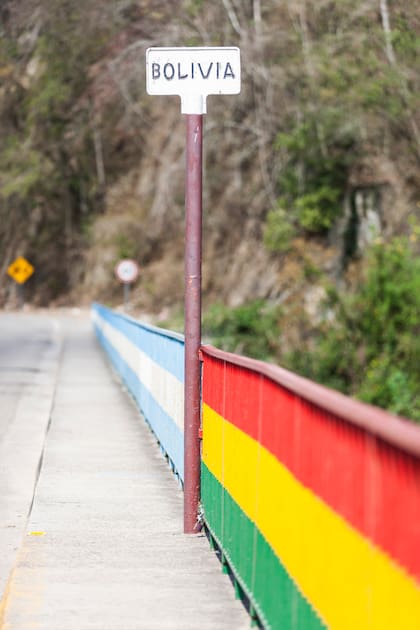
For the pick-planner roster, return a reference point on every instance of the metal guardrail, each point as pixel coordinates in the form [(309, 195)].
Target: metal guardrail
[(150, 361), (313, 498)]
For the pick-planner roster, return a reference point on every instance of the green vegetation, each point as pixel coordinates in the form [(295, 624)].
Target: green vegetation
[(126, 247), (47, 160), (278, 230), (251, 329), (317, 157), (316, 168), (348, 97), (22, 170), (369, 346)]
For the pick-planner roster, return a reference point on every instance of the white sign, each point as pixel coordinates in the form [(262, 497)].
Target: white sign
[(127, 271), (193, 74)]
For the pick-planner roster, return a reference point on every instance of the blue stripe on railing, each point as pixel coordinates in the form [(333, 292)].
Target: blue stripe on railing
[(150, 361), (155, 342)]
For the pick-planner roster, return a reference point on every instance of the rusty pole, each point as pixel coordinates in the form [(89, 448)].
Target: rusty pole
[(193, 239)]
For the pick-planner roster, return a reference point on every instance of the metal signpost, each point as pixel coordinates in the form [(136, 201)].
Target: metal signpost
[(20, 270), (193, 74), (127, 272)]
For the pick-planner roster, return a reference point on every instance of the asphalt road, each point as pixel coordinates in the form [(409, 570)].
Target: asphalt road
[(90, 515), (29, 358), (25, 342)]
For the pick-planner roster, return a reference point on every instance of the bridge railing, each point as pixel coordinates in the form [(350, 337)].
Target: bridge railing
[(314, 498), (150, 361)]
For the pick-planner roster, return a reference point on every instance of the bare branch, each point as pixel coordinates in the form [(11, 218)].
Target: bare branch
[(257, 18), (232, 16), (383, 7)]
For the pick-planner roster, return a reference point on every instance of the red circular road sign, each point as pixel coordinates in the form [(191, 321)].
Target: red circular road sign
[(127, 271)]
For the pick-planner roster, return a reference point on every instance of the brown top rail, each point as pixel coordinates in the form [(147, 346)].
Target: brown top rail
[(393, 429)]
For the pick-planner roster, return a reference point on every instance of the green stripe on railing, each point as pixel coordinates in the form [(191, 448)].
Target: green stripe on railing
[(271, 590)]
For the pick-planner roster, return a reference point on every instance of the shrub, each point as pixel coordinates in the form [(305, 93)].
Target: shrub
[(371, 348), (317, 210), (316, 156), (278, 230), (251, 329)]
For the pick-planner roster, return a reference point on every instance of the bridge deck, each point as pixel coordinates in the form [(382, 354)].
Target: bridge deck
[(103, 546)]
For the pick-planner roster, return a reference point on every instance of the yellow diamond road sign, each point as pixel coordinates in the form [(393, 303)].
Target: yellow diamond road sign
[(20, 270)]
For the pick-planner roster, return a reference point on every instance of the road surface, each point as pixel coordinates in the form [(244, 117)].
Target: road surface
[(90, 515)]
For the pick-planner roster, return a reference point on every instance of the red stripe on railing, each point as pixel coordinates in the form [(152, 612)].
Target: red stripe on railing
[(393, 429), (363, 462)]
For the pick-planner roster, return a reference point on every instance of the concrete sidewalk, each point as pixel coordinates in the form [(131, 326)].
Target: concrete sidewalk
[(104, 547)]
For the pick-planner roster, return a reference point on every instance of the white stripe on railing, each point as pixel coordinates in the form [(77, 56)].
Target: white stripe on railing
[(165, 388)]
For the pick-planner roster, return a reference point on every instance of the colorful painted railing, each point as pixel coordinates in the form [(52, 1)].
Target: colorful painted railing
[(150, 361), (313, 498)]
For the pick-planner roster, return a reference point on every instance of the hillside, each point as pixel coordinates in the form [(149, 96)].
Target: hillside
[(317, 159)]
